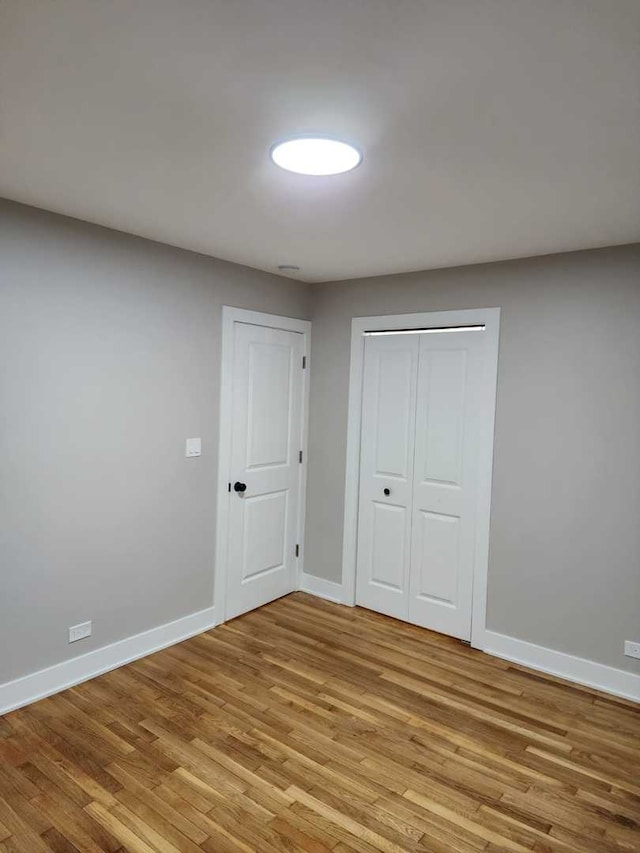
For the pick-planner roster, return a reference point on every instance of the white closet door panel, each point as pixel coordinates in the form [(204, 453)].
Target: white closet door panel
[(444, 489), (443, 395), (386, 463), (438, 555), (389, 525), (393, 397)]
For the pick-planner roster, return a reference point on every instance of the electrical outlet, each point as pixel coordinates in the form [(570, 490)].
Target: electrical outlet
[(632, 649), (79, 632)]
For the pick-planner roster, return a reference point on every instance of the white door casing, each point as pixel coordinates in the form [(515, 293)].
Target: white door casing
[(431, 593), (264, 395)]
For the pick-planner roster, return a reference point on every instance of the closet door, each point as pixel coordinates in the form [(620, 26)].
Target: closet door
[(386, 473), (444, 486)]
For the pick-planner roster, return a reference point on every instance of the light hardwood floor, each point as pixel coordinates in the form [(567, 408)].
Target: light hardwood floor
[(305, 726)]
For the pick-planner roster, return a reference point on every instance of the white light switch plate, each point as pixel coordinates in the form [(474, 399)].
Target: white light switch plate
[(193, 447)]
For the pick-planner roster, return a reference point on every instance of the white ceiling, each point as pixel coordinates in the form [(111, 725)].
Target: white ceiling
[(490, 128)]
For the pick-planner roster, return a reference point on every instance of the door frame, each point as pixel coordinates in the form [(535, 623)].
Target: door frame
[(424, 320), (230, 316)]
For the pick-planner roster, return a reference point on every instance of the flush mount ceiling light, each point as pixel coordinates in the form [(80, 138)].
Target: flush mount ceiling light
[(315, 155)]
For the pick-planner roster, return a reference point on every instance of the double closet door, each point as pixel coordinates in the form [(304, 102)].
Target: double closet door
[(418, 477)]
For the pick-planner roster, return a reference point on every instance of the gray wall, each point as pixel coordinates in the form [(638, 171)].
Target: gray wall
[(109, 359), (565, 526)]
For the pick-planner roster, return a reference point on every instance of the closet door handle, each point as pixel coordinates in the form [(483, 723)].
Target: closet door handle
[(387, 492), (239, 487)]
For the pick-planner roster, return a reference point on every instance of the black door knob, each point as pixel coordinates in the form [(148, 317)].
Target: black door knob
[(387, 492), (239, 487)]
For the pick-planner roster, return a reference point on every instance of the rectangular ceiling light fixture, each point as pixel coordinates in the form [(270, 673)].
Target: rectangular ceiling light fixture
[(478, 327)]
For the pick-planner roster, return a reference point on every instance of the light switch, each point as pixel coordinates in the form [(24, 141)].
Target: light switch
[(193, 447)]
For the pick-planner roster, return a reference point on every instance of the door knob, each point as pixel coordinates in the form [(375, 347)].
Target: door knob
[(239, 487), (387, 492)]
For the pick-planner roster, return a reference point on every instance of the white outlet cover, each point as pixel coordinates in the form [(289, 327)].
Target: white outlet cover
[(79, 632), (632, 649), (193, 447)]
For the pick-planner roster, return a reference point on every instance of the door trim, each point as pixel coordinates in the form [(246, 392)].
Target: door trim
[(432, 319), (271, 321)]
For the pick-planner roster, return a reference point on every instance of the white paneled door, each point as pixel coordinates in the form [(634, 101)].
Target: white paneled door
[(444, 482), (266, 443), (421, 415), (386, 473)]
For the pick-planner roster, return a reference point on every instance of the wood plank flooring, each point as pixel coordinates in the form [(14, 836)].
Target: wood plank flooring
[(305, 726)]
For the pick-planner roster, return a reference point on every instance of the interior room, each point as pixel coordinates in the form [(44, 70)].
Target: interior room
[(319, 426)]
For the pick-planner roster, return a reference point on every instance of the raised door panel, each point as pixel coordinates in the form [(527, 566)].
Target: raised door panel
[(388, 546), (265, 535), (393, 417), (269, 404), (438, 557), (443, 387)]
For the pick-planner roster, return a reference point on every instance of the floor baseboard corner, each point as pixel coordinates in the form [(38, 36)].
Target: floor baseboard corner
[(599, 676), (330, 590), (53, 679)]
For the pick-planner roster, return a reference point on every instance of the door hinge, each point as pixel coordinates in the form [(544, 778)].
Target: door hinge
[(297, 550), (300, 457), (304, 362)]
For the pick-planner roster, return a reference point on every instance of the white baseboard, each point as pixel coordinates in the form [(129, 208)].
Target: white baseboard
[(330, 590), (60, 676), (46, 682), (580, 670)]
